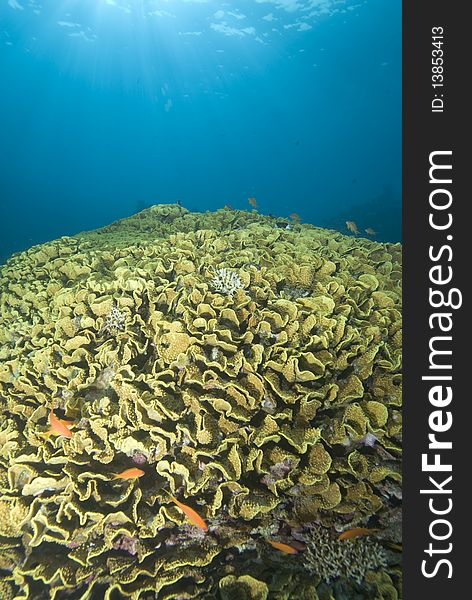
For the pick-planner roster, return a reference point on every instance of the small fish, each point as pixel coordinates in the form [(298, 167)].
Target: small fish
[(228, 207), (356, 532), (295, 217), (191, 514), (352, 227), (370, 231), (58, 426), (252, 202), (132, 473), (397, 547), (283, 547)]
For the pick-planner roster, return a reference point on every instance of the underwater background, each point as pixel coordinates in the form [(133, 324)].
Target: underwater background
[(111, 106), (200, 300)]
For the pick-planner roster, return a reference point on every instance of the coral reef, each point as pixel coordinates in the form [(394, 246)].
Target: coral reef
[(253, 371)]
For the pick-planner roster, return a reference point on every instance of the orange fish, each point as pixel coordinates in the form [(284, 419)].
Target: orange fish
[(352, 227), (132, 473), (295, 217), (283, 547), (58, 426), (252, 202), (397, 547), (355, 532), (191, 514), (370, 231)]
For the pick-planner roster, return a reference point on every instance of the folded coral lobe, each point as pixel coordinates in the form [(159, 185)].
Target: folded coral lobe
[(252, 370)]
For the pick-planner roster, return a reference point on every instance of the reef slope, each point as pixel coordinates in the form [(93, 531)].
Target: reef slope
[(248, 365)]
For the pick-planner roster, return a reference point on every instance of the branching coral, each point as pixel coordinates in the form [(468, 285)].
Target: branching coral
[(330, 558), (226, 281), (114, 321)]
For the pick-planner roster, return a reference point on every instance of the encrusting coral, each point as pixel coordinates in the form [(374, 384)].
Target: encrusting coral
[(253, 372)]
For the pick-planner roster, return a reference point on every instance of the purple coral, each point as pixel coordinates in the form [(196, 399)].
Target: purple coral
[(139, 458), (127, 544)]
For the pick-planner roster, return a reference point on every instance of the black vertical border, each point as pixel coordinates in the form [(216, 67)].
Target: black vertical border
[(423, 133)]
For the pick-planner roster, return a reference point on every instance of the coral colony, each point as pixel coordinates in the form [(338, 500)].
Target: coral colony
[(227, 282), (178, 427), (114, 322)]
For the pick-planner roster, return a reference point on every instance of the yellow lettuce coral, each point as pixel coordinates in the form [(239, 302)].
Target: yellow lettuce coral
[(264, 402)]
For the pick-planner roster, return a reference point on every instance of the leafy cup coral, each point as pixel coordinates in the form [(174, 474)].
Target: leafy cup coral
[(267, 407)]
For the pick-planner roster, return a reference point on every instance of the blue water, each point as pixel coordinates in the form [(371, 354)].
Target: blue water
[(109, 106)]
